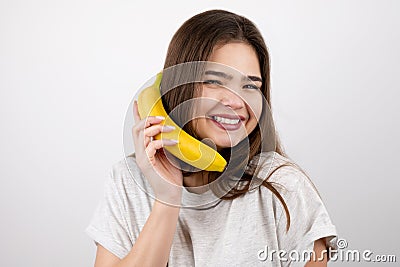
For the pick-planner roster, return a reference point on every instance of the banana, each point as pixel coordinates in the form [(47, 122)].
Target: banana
[(188, 149)]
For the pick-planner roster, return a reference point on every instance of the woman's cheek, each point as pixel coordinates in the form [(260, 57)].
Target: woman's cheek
[(255, 108)]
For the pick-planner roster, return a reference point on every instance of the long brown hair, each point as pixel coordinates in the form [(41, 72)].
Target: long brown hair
[(195, 41)]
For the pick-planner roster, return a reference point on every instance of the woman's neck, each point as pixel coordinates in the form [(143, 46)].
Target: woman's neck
[(195, 180)]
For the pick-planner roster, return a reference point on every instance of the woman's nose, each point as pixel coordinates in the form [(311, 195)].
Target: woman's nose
[(230, 98)]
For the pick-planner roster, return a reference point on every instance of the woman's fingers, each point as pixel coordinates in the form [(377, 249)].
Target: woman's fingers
[(148, 121), (144, 131), (154, 145), (150, 127), (153, 130), (156, 129)]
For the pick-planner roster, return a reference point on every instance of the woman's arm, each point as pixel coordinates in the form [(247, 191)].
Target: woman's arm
[(152, 247), (321, 259)]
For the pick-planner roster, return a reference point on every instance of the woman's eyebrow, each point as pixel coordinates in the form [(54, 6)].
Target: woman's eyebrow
[(219, 74), (230, 77), (254, 78)]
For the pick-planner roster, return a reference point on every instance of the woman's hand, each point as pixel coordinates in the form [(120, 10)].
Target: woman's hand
[(165, 179)]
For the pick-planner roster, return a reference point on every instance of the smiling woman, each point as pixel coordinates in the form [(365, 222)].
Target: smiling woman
[(267, 201), (238, 100)]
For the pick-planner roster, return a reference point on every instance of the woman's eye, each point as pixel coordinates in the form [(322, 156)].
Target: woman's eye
[(212, 82), (251, 86)]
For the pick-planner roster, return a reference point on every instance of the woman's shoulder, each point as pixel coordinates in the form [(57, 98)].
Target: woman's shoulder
[(126, 174), (125, 165), (283, 172), (305, 204)]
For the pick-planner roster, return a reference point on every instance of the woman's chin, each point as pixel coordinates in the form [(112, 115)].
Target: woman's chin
[(221, 141), (227, 144)]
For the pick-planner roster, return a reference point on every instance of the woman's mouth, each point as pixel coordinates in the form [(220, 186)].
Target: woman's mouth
[(227, 122)]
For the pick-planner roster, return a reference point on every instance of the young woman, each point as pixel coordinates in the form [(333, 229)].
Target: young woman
[(272, 222)]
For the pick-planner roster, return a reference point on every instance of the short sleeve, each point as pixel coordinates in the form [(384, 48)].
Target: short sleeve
[(309, 220), (108, 226)]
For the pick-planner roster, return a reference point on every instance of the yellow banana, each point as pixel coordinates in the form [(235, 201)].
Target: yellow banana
[(188, 149)]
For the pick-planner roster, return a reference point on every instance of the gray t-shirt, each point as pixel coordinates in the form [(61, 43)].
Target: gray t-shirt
[(247, 231)]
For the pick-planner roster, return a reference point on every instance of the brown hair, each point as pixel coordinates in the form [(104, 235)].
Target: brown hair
[(195, 41)]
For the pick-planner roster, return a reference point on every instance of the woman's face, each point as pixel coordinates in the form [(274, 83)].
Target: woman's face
[(231, 100)]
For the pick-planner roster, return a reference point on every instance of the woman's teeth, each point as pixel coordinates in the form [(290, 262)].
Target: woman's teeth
[(226, 121)]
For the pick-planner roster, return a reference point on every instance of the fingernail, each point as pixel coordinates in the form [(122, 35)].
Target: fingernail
[(169, 127), (160, 117), (174, 141)]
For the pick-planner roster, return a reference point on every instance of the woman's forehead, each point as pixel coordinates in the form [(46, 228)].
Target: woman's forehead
[(240, 56)]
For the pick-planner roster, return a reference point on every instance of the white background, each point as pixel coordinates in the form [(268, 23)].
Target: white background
[(69, 69)]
